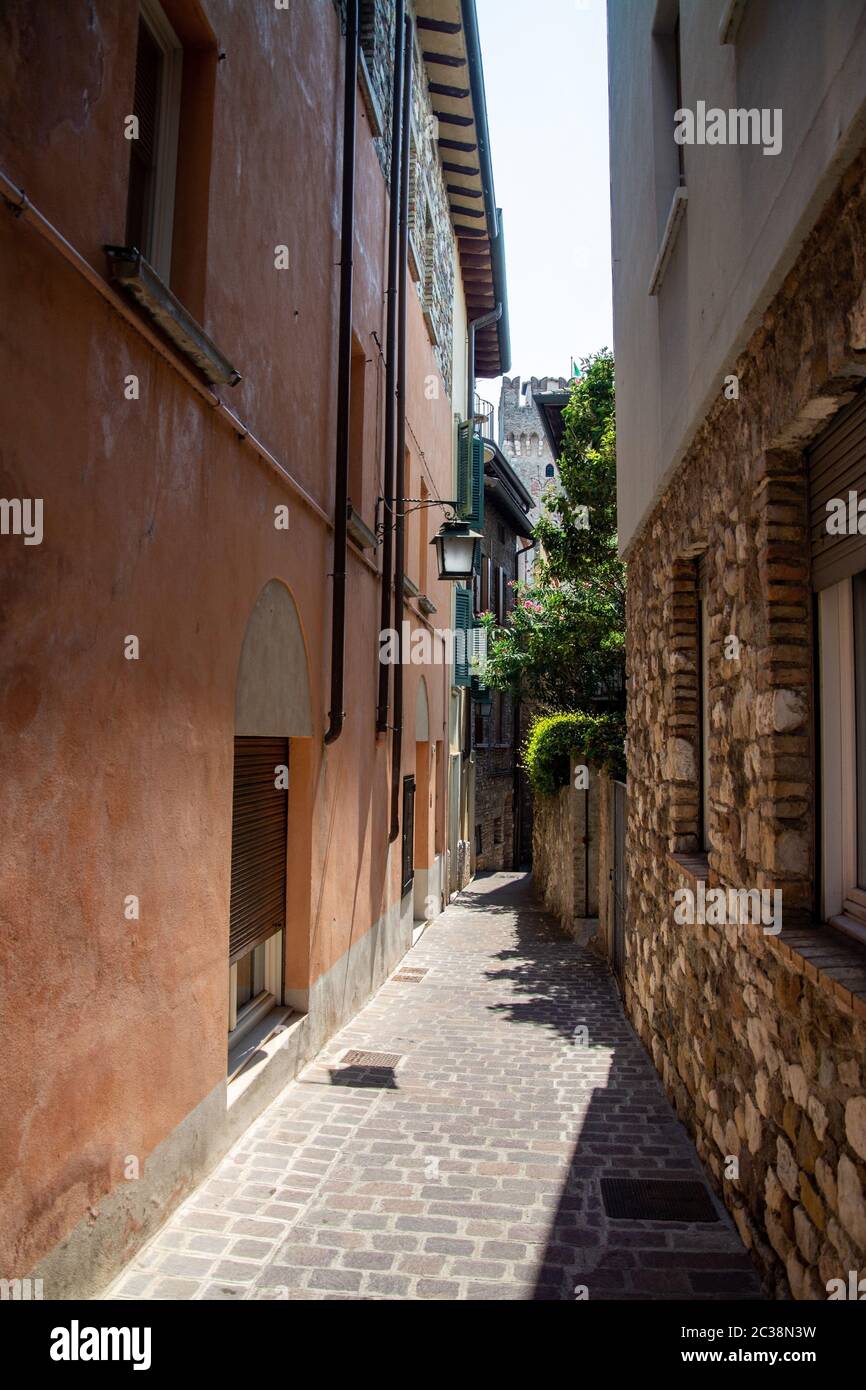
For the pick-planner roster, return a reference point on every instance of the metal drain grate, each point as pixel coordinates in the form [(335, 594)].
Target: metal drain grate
[(382, 1060), (656, 1199), (410, 976)]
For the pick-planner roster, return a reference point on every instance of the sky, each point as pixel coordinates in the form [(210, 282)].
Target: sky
[(545, 74)]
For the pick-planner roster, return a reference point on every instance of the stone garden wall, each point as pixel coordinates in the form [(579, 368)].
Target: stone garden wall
[(559, 859)]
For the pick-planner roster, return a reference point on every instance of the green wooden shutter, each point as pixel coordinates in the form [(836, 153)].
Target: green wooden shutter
[(470, 476), (462, 625)]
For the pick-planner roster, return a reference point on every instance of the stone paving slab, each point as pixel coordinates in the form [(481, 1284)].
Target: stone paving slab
[(471, 1169)]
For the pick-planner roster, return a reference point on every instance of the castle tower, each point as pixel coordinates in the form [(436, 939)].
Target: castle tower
[(521, 434)]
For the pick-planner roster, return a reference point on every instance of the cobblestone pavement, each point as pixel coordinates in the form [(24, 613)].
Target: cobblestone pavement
[(469, 1170)]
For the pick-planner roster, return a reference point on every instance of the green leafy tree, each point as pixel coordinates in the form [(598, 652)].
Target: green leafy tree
[(563, 645)]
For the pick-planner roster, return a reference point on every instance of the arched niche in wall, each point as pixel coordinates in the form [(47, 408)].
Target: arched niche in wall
[(272, 695)]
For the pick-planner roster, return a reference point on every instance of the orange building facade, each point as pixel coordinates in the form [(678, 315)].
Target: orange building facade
[(191, 872)]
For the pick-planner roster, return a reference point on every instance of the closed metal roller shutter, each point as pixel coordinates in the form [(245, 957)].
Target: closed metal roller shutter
[(259, 829), (837, 465)]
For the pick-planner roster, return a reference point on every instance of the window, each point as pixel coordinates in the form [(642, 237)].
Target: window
[(669, 154), (367, 31), (423, 515), (667, 86), (842, 645), (703, 645), (357, 425), (837, 467), (549, 471), (480, 733), (407, 875), (257, 910), (153, 153)]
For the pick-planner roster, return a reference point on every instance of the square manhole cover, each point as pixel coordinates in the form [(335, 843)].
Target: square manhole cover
[(410, 976), (371, 1059), (656, 1199)]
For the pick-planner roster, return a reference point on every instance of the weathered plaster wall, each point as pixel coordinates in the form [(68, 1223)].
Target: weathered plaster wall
[(159, 522)]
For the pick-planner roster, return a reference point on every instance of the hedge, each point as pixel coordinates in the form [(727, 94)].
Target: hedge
[(554, 739)]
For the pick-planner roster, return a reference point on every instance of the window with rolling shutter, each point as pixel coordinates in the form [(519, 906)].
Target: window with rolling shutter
[(408, 840), (837, 467), (259, 831)]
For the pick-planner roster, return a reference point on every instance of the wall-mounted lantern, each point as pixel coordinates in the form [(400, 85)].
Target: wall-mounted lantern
[(457, 550)]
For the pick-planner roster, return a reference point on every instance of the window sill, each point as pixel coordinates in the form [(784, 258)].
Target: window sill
[(850, 927), (669, 237), (245, 1049), (132, 272), (829, 958), (695, 866), (358, 530), (374, 111)]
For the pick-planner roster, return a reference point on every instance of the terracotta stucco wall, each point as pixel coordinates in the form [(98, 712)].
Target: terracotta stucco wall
[(159, 522)]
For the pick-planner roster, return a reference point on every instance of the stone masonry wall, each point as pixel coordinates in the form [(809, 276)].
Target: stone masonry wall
[(559, 855), (760, 1039)]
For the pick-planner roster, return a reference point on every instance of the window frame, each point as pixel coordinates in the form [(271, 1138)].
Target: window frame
[(703, 663), (160, 228), (842, 902), (245, 1017)]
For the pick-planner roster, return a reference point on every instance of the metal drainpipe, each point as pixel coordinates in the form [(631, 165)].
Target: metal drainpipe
[(344, 376), (474, 324), (400, 484), (398, 134), (586, 849)]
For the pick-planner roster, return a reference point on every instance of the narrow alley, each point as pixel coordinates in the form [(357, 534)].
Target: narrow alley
[(467, 1162)]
